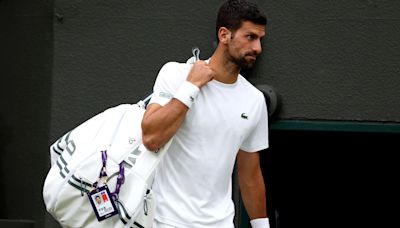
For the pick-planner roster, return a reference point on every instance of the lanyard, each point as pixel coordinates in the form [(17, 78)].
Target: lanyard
[(103, 175)]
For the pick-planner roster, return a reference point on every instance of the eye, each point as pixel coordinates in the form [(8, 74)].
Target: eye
[(251, 37)]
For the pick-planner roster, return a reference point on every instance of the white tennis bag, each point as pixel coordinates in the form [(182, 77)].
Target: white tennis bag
[(101, 174), (103, 159)]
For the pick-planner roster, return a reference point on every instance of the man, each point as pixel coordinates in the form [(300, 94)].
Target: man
[(216, 117), (98, 199)]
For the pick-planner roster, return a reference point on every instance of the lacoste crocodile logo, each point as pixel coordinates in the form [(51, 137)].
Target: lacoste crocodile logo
[(244, 116)]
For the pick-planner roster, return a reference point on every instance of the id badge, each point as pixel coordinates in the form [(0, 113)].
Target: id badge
[(102, 203)]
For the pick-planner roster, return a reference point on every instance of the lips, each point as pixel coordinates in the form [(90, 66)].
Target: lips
[(252, 57)]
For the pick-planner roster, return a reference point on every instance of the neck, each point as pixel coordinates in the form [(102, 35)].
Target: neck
[(226, 71)]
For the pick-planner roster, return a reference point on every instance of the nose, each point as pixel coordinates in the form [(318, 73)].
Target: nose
[(257, 48)]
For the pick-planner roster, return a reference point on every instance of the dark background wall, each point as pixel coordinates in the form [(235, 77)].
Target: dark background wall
[(26, 55), (62, 61)]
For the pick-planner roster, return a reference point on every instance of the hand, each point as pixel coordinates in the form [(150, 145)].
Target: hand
[(200, 74)]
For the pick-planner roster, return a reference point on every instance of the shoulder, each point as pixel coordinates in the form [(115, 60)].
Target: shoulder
[(173, 73), (175, 67), (255, 99), (253, 91)]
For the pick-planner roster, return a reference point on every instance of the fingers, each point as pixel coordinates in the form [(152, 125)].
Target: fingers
[(200, 74)]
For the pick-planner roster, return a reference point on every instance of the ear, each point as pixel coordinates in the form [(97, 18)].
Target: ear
[(224, 35)]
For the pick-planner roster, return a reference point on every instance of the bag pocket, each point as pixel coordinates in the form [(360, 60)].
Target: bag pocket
[(73, 208), (146, 216), (136, 200)]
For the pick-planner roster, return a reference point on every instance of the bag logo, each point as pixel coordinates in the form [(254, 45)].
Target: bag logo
[(132, 140), (133, 155)]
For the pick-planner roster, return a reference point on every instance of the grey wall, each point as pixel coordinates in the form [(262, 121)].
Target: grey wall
[(25, 89), (109, 52), (328, 60), (334, 60)]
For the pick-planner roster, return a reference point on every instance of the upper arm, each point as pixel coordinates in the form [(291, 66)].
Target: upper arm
[(248, 164)]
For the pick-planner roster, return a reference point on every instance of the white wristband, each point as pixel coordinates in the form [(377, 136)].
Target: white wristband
[(187, 93), (260, 223)]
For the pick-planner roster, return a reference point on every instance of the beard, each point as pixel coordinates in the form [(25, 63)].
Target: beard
[(244, 63)]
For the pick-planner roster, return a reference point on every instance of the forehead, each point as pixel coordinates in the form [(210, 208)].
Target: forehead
[(252, 28)]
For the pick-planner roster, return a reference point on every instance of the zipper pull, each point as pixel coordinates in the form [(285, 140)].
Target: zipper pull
[(145, 206)]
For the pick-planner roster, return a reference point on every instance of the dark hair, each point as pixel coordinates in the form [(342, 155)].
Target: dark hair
[(232, 13)]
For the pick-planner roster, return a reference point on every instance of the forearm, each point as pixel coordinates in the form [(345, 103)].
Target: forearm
[(160, 124), (253, 195)]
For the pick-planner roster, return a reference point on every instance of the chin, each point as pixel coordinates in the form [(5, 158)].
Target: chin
[(247, 65)]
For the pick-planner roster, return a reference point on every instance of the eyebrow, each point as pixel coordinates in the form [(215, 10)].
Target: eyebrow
[(254, 34)]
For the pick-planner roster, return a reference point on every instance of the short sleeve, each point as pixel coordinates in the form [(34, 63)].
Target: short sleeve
[(167, 82), (258, 138)]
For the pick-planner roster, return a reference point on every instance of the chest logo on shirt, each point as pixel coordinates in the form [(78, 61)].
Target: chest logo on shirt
[(244, 116)]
